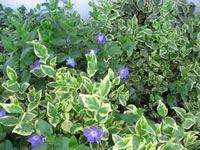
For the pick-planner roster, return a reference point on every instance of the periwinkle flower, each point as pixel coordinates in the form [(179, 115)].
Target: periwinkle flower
[(67, 41), (95, 51), (53, 55), (93, 134), (2, 113), (123, 71), (36, 64), (35, 140), (100, 37), (70, 61), (1, 45)]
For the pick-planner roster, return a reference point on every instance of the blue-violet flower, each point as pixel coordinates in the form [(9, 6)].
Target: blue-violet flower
[(2, 113), (70, 61), (93, 50), (92, 134), (36, 64), (1, 45), (35, 140), (100, 37), (123, 71)]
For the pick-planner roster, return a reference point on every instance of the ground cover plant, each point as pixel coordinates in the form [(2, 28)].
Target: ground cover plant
[(126, 79)]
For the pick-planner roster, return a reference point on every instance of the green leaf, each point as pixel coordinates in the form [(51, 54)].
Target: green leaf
[(51, 110), (147, 31), (101, 115), (116, 81), (40, 147), (92, 64), (12, 108), (58, 42), (24, 87), (67, 125), (61, 143), (114, 51), (9, 120), (90, 102), (162, 109), (138, 142), (187, 124), (48, 70), (82, 147), (23, 129), (180, 111), (111, 74), (170, 122), (73, 143), (43, 128), (105, 86), (40, 50), (141, 4), (116, 138), (6, 145), (38, 72), (12, 75)]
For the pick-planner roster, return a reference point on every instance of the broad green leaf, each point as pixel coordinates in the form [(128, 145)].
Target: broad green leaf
[(187, 124), (147, 31), (66, 126), (58, 42), (141, 4), (90, 102), (116, 138), (170, 122), (73, 143), (116, 81), (101, 115), (12, 108), (92, 64), (114, 51), (105, 86), (111, 74), (12, 75), (49, 71), (138, 142), (9, 120), (40, 147), (61, 143), (51, 110), (24, 87), (40, 50), (43, 128), (38, 72), (6, 145), (24, 129), (180, 111), (83, 147), (162, 109)]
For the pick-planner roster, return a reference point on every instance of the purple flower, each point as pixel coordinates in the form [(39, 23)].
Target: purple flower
[(53, 55), (100, 38), (92, 134), (35, 140), (93, 50), (2, 113), (67, 41), (1, 45), (123, 71), (36, 64), (70, 61)]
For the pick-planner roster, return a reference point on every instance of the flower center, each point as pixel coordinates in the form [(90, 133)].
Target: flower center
[(93, 133), (100, 38), (36, 138), (122, 71)]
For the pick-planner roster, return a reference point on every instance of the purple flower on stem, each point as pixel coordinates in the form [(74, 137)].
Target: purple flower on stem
[(36, 64), (1, 45), (123, 71), (2, 113), (70, 61), (95, 51), (100, 37), (35, 140), (92, 134)]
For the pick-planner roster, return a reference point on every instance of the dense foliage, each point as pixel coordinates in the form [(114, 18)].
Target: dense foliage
[(126, 79)]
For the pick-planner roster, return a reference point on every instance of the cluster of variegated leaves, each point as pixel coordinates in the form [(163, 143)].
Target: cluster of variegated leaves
[(72, 102)]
